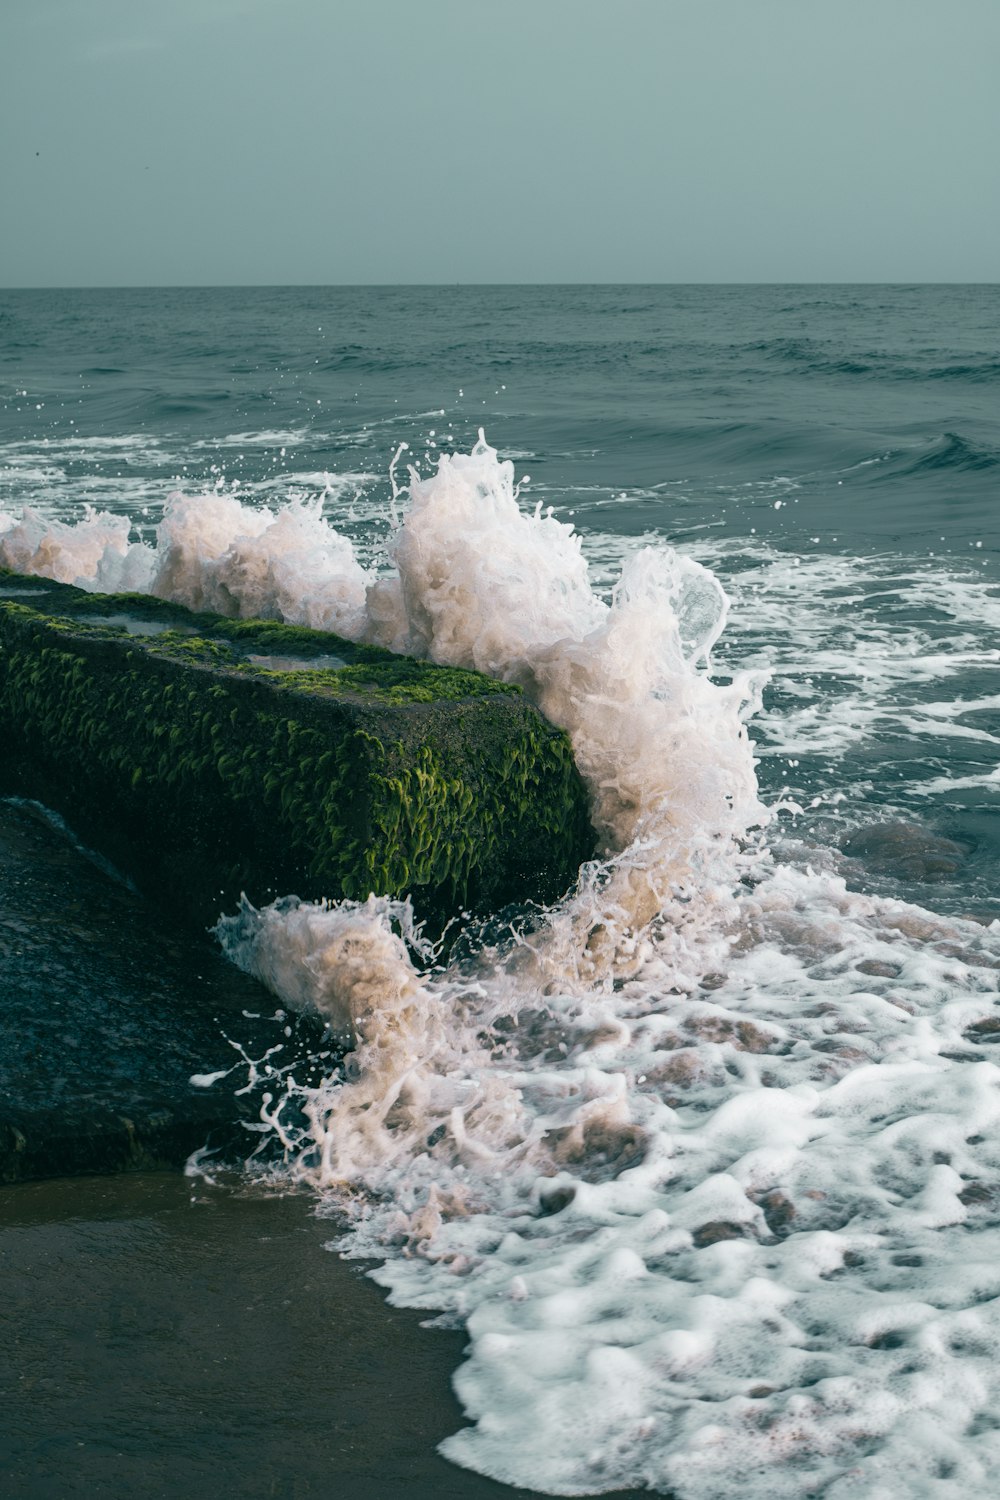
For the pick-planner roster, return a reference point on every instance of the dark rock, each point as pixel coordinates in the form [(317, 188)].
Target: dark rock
[(779, 1213), (878, 968), (106, 1012), (976, 1192), (905, 851)]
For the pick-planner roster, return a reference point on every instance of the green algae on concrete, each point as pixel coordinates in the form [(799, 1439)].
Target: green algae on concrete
[(204, 772)]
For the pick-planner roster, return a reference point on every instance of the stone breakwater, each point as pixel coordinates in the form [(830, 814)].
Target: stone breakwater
[(207, 757)]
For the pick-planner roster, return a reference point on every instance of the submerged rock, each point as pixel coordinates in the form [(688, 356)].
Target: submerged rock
[(905, 851)]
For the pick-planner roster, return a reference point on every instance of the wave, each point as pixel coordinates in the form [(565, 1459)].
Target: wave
[(812, 357), (189, 405), (821, 357), (682, 359), (984, 370), (704, 1156), (678, 1151), (477, 584), (952, 451)]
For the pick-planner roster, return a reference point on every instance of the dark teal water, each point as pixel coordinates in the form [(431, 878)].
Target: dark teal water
[(833, 452)]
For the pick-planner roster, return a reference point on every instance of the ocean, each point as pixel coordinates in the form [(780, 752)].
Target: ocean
[(704, 1160)]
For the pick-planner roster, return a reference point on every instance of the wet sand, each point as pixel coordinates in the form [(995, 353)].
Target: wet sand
[(160, 1336)]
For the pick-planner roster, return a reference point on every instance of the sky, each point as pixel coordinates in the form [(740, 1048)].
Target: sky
[(231, 142)]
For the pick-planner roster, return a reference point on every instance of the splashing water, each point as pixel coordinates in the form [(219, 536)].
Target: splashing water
[(94, 553), (211, 553), (479, 584), (704, 1158)]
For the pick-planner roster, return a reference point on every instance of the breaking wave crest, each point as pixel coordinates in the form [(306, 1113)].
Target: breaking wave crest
[(477, 583)]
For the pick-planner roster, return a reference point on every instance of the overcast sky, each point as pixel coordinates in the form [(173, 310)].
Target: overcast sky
[(318, 141)]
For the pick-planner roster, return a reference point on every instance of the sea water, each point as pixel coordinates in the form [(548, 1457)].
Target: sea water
[(705, 1158)]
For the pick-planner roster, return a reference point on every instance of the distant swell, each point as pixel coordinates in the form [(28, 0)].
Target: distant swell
[(952, 451), (812, 357)]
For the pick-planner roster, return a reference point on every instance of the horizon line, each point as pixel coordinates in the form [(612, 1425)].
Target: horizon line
[(208, 286)]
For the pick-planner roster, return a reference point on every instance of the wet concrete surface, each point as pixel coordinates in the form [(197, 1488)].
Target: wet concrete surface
[(106, 1011)]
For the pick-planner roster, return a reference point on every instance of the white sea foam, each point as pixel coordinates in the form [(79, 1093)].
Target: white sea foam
[(24, 473), (130, 445), (482, 584), (283, 437), (718, 1210), (95, 550), (724, 1232), (706, 1158), (211, 552), (314, 482)]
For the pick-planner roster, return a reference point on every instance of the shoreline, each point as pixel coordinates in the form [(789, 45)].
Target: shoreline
[(168, 1337), (163, 1335)]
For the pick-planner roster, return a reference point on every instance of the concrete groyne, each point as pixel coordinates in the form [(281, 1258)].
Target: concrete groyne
[(207, 756)]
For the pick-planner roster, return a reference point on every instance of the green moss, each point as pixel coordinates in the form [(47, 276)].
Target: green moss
[(204, 772), (269, 638), (397, 681), (193, 649), (73, 601), (219, 642)]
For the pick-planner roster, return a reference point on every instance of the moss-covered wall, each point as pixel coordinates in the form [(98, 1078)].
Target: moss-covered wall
[(203, 773)]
